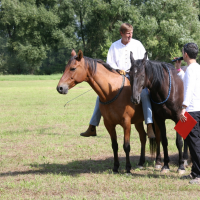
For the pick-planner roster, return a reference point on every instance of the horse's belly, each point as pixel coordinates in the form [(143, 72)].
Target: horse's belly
[(122, 114)]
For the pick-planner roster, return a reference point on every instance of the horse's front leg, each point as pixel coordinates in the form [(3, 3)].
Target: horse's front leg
[(126, 146), (162, 127), (111, 130), (179, 145), (158, 139), (140, 128)]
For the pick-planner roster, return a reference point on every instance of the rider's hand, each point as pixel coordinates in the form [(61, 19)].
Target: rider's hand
[(122, 72)]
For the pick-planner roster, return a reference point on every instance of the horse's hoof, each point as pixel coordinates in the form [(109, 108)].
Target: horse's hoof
[(181, 171), (139, 167), (115, 171), (164, 171), (158, 166)]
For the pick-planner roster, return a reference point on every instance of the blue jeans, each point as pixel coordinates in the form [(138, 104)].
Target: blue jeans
[(96, 117), (146, 106)]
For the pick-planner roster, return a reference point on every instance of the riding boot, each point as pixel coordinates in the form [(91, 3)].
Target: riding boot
[(150, 131), (91, 131)]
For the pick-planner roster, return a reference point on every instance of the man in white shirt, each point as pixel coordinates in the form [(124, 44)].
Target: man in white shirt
[(191, 104), (119, 58)]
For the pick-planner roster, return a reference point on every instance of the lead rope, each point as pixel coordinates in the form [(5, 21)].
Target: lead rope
[(105, 103), (77, 97)]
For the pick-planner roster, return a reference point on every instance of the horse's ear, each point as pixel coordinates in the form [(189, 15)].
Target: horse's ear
[(131, 57), (80, 55), (145, 58), (73, 53)]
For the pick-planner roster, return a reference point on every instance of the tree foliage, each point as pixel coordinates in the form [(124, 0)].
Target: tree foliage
[(166, 25), (33, 28), (36, 36)]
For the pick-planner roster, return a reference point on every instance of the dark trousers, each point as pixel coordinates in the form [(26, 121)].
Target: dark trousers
[(193, 140)]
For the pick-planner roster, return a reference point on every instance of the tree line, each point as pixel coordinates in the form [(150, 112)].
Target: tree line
[(37, 36)]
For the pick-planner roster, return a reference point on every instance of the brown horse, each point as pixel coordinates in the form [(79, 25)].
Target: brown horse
[(107, 83)]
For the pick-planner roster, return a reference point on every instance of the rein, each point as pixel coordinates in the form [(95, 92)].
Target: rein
[(112, 100), (169, 89)]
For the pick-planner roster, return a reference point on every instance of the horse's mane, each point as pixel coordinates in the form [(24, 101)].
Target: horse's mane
[(156, 69), (92, 63)]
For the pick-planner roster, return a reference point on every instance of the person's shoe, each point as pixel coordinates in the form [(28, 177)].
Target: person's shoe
[(150, 131), (91, 131), (189, 176), (195, 181)]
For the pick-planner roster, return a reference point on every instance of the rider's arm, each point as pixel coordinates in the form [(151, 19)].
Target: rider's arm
[(111, 60)]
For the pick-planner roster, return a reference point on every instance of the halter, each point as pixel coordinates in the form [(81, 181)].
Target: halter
[(108, 102), (169, 89)]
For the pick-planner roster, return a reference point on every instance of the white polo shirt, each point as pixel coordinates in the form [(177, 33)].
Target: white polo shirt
[(119, 54), (191, 82)]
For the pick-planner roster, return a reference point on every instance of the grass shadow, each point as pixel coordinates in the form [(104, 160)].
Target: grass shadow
[(101, 166)]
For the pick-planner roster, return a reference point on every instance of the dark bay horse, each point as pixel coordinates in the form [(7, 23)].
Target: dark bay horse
[(107, 83), (166, 94)]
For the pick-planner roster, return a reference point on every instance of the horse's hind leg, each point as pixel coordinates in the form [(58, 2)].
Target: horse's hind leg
[(179, 144), (126, 146), (111, 130), (140, 128)]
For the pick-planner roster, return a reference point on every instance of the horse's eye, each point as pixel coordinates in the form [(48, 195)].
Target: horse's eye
[(72, 69)]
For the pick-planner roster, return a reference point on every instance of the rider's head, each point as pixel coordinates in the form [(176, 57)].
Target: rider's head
[(126, 31), (125, 27)]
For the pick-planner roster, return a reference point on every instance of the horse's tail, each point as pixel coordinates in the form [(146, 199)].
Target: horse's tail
[(152, 144)]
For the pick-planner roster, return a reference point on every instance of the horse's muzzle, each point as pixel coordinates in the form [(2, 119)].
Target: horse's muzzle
[(62, 89), (135, 101)]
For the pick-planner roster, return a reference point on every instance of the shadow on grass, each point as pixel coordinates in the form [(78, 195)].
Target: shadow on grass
[(77, 167)]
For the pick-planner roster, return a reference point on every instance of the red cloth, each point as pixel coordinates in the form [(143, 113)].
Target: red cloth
[(184, 128)]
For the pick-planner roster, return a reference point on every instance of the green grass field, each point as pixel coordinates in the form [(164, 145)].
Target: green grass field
[(43, 156)]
